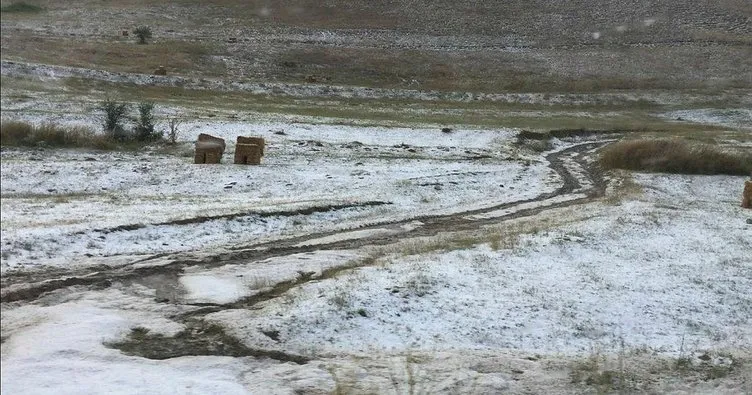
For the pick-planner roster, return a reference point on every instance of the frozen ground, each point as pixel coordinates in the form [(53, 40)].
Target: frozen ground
[(63, 206), (545, 304), (659, 272)]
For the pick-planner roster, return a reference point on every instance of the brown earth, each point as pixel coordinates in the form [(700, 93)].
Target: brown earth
[(517, 45)]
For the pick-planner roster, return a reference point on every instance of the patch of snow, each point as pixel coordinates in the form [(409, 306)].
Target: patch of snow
[(59, 349)]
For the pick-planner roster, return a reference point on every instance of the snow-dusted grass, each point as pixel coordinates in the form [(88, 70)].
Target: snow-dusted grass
[(54, 201), (669, 272), (642, 290)]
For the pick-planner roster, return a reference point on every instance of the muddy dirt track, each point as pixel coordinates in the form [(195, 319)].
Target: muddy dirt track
[(582, 181)]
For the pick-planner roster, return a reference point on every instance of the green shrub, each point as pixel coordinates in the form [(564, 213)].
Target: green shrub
[(21, 7), (674, 156), (144, 130), (143, 33), (114, 113)]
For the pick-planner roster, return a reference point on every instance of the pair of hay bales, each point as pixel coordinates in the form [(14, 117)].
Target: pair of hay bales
[(248, 150)]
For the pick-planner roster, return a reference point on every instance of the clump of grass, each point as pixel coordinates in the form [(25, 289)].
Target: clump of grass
[(23, 134), (22, 7), (675, 156)]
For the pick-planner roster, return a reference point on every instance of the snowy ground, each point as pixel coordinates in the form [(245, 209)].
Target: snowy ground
[(61, 206), (645, 289), (659, 272), (663, 273)]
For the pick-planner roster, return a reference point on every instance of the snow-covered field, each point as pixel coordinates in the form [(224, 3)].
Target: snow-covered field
[(650, 275), (664, 273), (661, 272), (64, 206)]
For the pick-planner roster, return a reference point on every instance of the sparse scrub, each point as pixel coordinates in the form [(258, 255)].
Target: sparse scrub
[(622, 187), (174, 132), (143, 33), (675, 156), (340, 299), (22, 7)]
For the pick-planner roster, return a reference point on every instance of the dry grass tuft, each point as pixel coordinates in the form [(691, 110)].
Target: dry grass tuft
[(23, 134), (675, 156)]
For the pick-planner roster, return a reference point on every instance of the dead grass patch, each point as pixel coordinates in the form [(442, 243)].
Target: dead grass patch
[(116, 54), (675, 156), (51, 135), (23, 134), (621, 188)]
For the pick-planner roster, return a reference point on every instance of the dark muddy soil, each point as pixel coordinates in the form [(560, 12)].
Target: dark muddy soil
[(199, 338)]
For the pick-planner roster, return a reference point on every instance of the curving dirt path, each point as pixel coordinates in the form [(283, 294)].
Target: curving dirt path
[(582, 182)]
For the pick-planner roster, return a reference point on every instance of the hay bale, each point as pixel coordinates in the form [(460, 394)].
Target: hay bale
[(253, 140), (247, 154), (208, 153), (161, 70), (747, 195), (124, 33), (207, 138)]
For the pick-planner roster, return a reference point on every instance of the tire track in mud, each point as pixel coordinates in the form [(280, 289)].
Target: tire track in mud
[(218, 342), (29, 287), (202, 219)]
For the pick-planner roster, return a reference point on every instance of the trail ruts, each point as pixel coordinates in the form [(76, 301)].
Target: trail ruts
[(31, 286)]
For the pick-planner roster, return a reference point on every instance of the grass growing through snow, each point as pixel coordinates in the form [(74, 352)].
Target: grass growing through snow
[(675, 156)]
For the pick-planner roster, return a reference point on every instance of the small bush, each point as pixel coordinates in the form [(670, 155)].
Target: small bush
[(528, 135), (114, 113), (536, 142), (143, 33), (674, 156), (21, 7), (144, 130)]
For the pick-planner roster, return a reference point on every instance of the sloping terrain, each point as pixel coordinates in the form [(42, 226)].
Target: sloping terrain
[(478, 46)]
